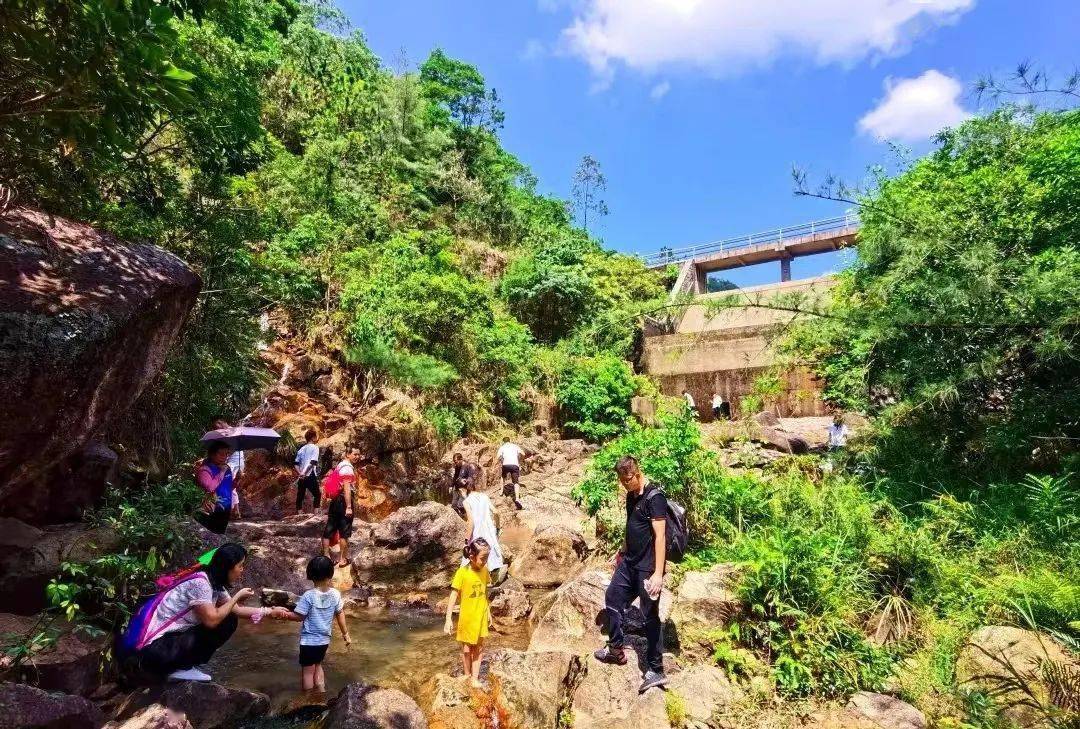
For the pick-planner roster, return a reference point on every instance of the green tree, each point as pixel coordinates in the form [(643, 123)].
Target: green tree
[(587, 191)]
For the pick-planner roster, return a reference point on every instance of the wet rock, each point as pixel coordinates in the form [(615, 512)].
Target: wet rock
[(73, 664), (27, 707), (30, 557), (360, 706), (570, 618), (996, 654), (553, 555), (608, 698), (153, 717), (703, 688), (886, 711), (278, 598), (206, 705), (534, 688), (421, 542), (86, 328)]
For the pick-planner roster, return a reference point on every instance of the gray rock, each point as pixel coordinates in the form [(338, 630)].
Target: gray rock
[(887, 711), (27, 707), (360, 706)]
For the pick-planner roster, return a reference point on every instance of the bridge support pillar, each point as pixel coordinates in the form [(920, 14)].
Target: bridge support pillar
[(785, 269), (701, 281)]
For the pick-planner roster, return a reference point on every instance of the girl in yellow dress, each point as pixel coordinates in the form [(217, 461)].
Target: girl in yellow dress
[(470, 587)]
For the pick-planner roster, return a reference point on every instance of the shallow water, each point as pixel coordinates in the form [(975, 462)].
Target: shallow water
[(396, 649)]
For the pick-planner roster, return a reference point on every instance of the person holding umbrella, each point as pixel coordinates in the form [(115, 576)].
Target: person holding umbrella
[(216, 476)]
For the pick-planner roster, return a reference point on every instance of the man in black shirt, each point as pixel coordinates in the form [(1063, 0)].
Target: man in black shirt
[(463, 477), (639, 572)]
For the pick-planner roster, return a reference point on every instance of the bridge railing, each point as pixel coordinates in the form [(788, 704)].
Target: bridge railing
[(778, 235)]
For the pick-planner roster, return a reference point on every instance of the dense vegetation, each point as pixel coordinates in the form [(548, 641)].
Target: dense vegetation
[(956, 329), (279, 157)]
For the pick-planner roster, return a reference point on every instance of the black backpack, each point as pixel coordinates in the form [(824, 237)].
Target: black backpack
[(675, 532)]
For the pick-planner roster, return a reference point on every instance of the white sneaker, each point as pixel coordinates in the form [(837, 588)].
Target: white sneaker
[(190, 674)]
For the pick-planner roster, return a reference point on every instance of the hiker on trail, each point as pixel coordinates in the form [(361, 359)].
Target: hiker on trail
[(215, 476), (307, 471), (717, 406), (464, 476), (480, 523), (338, 488), (317, 609), (639, 571), (690, 402), (190, 620), (838, 433), (474, 619), (509, 457)]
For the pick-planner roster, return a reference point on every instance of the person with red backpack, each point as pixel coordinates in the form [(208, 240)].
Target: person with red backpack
[(191, 616), (338, 489)]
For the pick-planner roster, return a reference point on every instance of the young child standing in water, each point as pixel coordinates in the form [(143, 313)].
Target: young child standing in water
[(470, 587), (317, 609)]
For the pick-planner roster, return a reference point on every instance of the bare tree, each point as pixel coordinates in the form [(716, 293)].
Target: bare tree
[(589, 185)]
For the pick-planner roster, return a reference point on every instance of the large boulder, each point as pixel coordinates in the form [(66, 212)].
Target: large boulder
[(888, 712), (997, 655), (534, 688), (608, 698), (30, 557), (705, 600), (554, 555), (421, 542), (72, 664), (784, 441), (360, 706), (86, 321), (26, 707), (704, 688), (206, 705), (570, 618), (452, 705)]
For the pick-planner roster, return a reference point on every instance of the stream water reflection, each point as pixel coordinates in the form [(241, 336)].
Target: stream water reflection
[(396, 649)]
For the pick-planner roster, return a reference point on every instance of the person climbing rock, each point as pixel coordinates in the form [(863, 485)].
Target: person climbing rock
[(690, 402), (639, 572), (307, 471), (186, 624), (338, 488), (509, 457), (462, 479), (215, 476)]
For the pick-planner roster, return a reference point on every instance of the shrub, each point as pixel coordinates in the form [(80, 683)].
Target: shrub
[(594, 395)]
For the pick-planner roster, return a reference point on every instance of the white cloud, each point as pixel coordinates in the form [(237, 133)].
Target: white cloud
[(727, 36), (914, 109), (533, 50), (659, 91)]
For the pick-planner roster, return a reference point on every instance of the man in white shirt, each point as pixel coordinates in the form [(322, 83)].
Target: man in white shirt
[(717, 406), (690, 402), (307, 472), (509, 457), (838, 433)]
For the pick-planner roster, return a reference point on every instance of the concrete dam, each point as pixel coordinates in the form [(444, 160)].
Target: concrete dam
[(725, 350)]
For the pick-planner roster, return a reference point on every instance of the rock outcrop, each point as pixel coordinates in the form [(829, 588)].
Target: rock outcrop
[(608, 698), (73, 664), (570, 619), (421, 542), (30, 557), (703, 688), (705, 600), (153, 717), (360, 706), (534, 687), (26, 707), (87, 321), (206, 705), (996, 655), (888, 712), (554, 555)]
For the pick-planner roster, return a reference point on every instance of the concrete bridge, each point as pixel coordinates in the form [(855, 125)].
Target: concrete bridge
[(704, 352), (781, 244)]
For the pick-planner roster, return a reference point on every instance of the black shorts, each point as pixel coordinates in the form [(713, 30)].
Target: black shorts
[(312, 655), (513, 471), (336, 521), (216, 521)]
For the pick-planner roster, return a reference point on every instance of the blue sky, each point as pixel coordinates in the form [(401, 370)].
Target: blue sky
[(697, 109)]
